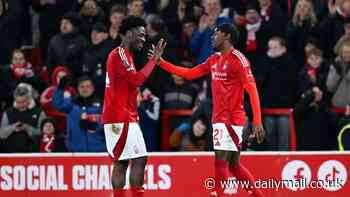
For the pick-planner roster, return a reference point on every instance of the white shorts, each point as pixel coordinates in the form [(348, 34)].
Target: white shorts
[(227, 137), (125, 141)]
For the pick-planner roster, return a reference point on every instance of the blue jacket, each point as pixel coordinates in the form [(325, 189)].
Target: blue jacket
[(201, 44), (78, 139)]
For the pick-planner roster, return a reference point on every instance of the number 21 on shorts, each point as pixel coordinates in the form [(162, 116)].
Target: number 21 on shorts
[(217, 136)]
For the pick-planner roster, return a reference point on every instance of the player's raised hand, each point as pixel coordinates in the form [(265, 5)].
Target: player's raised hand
[(259, 133), (157, 51)]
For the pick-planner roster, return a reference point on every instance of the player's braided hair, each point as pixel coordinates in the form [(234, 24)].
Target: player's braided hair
[(229, 28), (131, 22)]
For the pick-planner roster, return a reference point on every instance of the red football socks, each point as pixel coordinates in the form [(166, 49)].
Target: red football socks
[(242, 174), (221, 174)]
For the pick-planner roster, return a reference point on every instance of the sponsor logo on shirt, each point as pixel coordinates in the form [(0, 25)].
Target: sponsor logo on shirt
[(219, 75)]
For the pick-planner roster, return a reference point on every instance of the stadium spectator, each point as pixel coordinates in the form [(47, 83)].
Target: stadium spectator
[(156, 30), (338, 77), (10, 28), (188, 27), (21, 71), (95, 57), (46, 96), (20, 123), (314, 73), (67, 48), (136, 8), (272, 24), (195, 138), (174, 15), (179, 94), (90, 13), (148, 109), (84, 132), (344, 38), (312, 113), (117, 14), (250, 28), (277, 80), (332, 27), (11, 75), (50, 13), (200, 43), (300, 28), (51, 139)]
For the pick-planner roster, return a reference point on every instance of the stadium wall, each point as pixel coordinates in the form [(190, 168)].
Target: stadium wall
[(320, 174)]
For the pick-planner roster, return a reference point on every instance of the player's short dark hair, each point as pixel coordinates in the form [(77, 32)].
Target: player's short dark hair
[(229, 28), (131, 22)]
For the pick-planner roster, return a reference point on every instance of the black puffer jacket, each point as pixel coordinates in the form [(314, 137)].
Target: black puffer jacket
[(67, 50)]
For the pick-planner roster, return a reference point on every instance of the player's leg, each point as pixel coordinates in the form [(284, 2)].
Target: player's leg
[(137, 172), (222, 158), (118, 177), (242, 174)]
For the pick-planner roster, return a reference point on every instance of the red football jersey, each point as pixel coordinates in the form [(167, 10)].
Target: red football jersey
[(122, 82), (230, 73)]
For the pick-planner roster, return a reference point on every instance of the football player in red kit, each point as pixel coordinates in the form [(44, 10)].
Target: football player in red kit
[(124, 138), (231, 76)]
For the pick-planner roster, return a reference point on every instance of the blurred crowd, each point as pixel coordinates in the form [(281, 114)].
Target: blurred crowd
[(53, 60)]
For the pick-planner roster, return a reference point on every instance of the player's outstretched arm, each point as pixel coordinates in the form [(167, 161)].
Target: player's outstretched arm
[(187, 73), (258, 129)]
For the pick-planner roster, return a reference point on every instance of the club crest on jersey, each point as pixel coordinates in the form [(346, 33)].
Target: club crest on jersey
[(116, 129)]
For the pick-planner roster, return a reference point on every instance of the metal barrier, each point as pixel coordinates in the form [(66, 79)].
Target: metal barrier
[(285, 112), (167, 114)]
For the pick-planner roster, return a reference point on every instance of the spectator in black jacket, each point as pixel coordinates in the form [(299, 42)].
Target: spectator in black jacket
[(277, 80), (156, 30), (67, 48), (314, 73), (20, 70), (300, 28), (273, 22), (90, 13), (175, 13), (95, 57), (332, 28), (314, 124), (50, 13)]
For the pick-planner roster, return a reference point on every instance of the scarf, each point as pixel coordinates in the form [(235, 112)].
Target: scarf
[(47, 143), (21, 70), (251, 43)]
